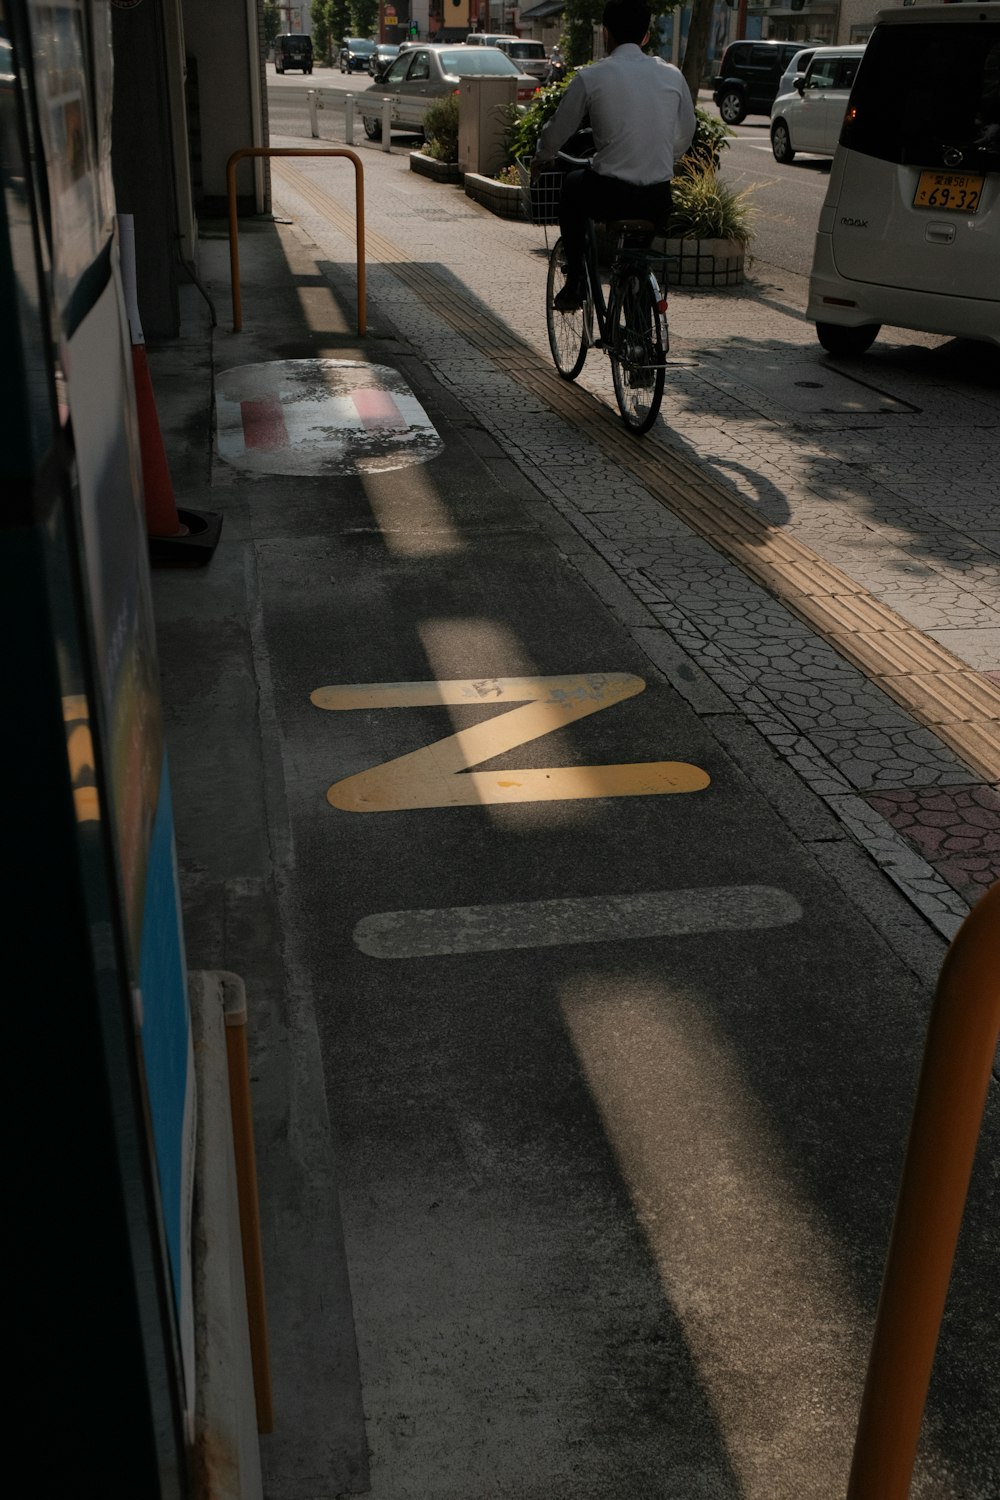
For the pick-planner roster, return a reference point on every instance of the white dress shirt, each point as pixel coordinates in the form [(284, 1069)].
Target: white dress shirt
[(640, 111)]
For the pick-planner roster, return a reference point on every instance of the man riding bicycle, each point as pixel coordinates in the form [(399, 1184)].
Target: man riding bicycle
[(642, 117)]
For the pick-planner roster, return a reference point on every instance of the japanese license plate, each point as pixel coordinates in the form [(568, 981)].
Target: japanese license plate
[(955, 192)]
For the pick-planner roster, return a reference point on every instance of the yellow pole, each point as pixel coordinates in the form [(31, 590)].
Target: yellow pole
[(359, 216), (958, 1058), (245, 1155)]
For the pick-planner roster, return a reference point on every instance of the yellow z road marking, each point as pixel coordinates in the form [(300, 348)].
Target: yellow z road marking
[(430, 777)]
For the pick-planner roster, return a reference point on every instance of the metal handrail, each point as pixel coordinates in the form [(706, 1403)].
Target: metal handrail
[(947, 1118), (359, 215)]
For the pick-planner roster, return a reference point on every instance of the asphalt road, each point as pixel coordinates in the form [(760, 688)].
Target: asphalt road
[(786, 200)]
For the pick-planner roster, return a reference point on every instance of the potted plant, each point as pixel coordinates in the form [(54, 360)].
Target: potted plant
[(711, 225), (439, 157)]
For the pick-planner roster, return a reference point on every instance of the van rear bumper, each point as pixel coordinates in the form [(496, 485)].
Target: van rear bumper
[(850, 304)]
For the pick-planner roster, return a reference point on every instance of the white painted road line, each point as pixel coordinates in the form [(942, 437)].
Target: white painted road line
[(433, 933)]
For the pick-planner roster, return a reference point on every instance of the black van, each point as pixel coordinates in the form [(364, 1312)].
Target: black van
[(293, 51), (747, 81)]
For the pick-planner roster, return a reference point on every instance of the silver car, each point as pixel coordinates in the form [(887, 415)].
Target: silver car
[(810, 117), (422, 74)]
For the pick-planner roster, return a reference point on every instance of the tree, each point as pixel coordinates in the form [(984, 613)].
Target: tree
[(320, 13), (340, 23), (364, 17), (272, 21), (581, 16), (696, 51)]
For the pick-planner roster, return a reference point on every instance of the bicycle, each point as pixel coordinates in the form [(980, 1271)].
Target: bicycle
[(631, 321)]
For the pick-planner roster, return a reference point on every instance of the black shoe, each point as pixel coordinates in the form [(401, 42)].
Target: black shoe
[(571, 297)]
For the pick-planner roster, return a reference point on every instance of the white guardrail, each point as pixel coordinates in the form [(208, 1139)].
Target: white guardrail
[(335, 99)]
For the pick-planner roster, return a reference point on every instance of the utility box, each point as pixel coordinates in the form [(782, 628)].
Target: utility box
[(484, 107)]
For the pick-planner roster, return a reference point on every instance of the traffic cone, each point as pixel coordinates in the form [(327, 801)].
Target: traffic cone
[(162, 519), (176, 538)]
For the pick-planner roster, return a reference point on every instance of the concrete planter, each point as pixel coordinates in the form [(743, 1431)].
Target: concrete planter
[(439, 171), (500, 198), (704, 263)]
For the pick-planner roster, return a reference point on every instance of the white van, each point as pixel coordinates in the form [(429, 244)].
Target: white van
[(909, 233), (809, 117), (529, 55)]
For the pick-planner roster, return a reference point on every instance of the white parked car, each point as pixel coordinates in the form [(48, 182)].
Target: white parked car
[(810, 117), (909, 233), (798, 65)]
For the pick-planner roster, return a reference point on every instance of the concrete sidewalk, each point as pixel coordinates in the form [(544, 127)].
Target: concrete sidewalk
[(566, 1208)]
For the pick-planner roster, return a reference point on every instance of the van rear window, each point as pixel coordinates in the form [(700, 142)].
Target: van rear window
[(924, 94)]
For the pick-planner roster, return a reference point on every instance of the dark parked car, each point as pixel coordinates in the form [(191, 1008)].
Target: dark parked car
[(748, 78), (293, 51), (384, 54), (355, 54)]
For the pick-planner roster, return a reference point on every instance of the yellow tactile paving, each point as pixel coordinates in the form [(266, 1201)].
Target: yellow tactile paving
[(892, 653), (953, 696), (845, 612), (887, 654)]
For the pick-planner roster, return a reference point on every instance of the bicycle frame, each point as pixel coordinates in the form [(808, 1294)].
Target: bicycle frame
[(631, 324), (598, 303)]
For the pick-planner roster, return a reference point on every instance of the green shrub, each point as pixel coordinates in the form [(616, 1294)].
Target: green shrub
[(706, 208), (711, 138), (441, 129), (525, 125)]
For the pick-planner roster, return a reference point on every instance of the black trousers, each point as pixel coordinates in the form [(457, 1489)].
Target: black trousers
[(588, 195)]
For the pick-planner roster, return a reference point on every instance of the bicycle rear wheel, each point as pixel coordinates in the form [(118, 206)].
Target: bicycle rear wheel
[(567, 331), (635, 338)]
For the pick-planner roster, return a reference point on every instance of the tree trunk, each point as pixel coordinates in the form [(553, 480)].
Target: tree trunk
[(696, 51)]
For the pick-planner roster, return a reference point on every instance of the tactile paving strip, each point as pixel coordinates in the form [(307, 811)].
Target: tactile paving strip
[(937, 689)]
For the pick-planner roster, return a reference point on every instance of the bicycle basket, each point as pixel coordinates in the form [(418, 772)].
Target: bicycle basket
[(540, 199)]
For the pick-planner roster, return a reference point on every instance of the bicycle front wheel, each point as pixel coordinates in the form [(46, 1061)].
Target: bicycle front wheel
[(635, 338), (567, 330)]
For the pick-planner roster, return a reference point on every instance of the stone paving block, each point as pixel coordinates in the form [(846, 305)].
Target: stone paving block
[(681, 670), (955, 829), (900, 860), (938, 607), (978, 648), (902, 758)]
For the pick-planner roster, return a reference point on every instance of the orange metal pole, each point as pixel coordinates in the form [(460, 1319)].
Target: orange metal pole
[(245, 1156), (958, 1058), (359, 217)]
